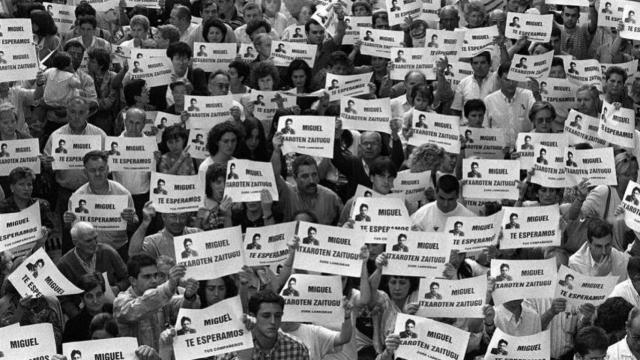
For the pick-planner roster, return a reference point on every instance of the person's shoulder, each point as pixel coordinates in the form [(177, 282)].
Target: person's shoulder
[(290, 343), (118, 189), (325, 191), (94, 130), (83, 189)]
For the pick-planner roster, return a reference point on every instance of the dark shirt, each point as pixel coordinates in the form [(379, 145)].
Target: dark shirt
[(77, 328)]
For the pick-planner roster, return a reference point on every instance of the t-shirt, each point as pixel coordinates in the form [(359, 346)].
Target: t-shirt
[(430, 218), (319, 340)]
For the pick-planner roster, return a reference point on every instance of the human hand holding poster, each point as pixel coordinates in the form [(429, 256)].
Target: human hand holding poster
[(433, 128), (196, 142), (334, 250), (35, 340), (559, 92), (483, 143), (68, 150), (154, 71), (523, 279), (215, 330), (266, 103), (354, 24), (617, 125), (131, 153), (422, 338), (283, 53), (310, 135), (581, 128), (24, 153), (490, 179), (631, 206), (441, 298), (534, 27), (20, 228), (313, 298), (414, 254), (529, 145), (210, 252), (412, 186), (595, 165), (176, 193), (529, 227), (376, 42), (211, 57), (367, 115), (524, 67), (549, 168), (471, 233), (115, 348), (532, 347), (207, 111), (267, 245), (340, 86), (405, 60), (103, 211), (376, 218), (580, 289), (247, 179), (39, 276), (478, 40)]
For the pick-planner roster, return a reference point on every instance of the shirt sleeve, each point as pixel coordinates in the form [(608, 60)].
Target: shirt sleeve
[(457, 98)]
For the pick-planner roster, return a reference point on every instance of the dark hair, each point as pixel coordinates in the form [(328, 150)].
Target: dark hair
[(20, 173), (60, 60), (414, 282), (179, 48), (312, 228), (213, 23), (132, 89), (216, 133), (214, 172), (383, 165), (474, 105), (557, 61), (299, 64), (87, 19), (503, 341), (448, 183), (137, 262), (256, 24), (232, 290), (362, 206), (434, 283), (104, 321), (261, 153), (264, 69), (101, 56), (425, 90), (590, 338), (91, 281), (504, 266), (339, 57), (95, 155), (598, 228), (612, 315), (615, 70), (474, 163), (310, 22), (484, 54), (75, 352), (264, 296), (309, 213), (186, 241), (174, 131), (410, 321), (376, 15), (44, 22), (633, 267), (84, 8), (504, 68), (183, 319), (302, 160), (73, 44), (242, 68)]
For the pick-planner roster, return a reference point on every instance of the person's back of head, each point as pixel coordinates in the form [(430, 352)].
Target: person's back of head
[(633, 268), (448, 184), (137, 262), (611, 316), (132, 89), (61, 60), (590, 339), (104, 322)]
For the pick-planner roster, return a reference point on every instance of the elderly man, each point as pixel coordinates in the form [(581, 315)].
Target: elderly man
[(181, 18), (78, 111), (401, 93), (629, 347), (89, 256), (160, 243), (96, 169)]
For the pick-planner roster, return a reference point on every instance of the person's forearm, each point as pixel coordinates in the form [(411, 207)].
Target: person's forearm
[(135, 243), (341, 28), (345, 332), (278, 282), (276, 163), (545, 319), (365, 286), (374, 282), (593, 19)]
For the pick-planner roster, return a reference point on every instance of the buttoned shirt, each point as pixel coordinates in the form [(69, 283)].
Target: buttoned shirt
[(469, 88), (510, 114), (528, 324), (285, 348)]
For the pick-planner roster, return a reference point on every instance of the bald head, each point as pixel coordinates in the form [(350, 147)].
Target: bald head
[(134, 122), (81, 230)]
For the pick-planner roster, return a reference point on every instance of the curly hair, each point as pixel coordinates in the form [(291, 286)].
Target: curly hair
[(262, 70), (426, 157), (216, 133)]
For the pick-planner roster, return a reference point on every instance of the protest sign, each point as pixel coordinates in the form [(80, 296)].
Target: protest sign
[(630, 30), (363, 191), (472, 233), (101, 5), (523, 279), (283, 53), (529, 227), (340, 86), (441, 298), (629, 68), (400, 10), (150, 4), (20, 228), (456, 72), (433, 128), (617, 126), (64, 16), (581, 128), (155, 71), (376, 42), (532, 347), (528, 146), (354, 24), (367, 115), (405, 60), (123, 348), (580, 289), (610, 15), (140, 53), (39, 276), (524, 67), (313, 298), (430, 11), (215, 330), (246, 179), (559, 92), (311, 135), (534, 27), (207, 111), (210, 252), (176, 193), (23, 153), (483, 143), (211, 57), (103, 211), (18, 62), (490, 179), (631, 205), (267, 245), (549, 167), (27, 342), (584, 72), (247, 52), (160, 120), (330, 249), (266, 103), (596, 165), (415, 253), (197, 143), (376, 218), (68, 150), (412, 186), (422, 338), (131, 153), (443, 43), (478, 40), (296, 33), (15, 32), (581, 3)]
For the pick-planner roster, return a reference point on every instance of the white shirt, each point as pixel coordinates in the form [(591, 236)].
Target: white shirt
[(469, 88), (319, 340), (615, 264), (626, 291), (528, 324), (430, 218), (136, 182), (399, 106), (188, 35), (562, 327), (620, 351), (510, 114)]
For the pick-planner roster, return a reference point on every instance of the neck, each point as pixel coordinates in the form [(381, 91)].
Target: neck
[(220, 157), (8, 136), (78, 129), (84, 257), (478, 77), (101, 187), (264, 342), (254, 213), (22, 203), (508, 93), (130, 134)]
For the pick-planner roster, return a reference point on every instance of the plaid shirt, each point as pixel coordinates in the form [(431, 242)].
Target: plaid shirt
[(285, 348)]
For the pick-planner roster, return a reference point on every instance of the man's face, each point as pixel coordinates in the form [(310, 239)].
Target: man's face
[(434, 289), (480, 66), (370, 146), (502, 345), (268, 319), (77, 114), (568, 280), (175, 223), (77, 357), (188, 245), (147, 279), (307, 179), (474, 167), (402, 240), (513, 219), (86, 30), (180, 63), (600, 248), (219, 85), (312, 233), (458, 226), (76, 56), (570, 17), (364, 210), (186, 324), (252, 14), (316, 34), (87, 242), (449, 20), (504, 271), (97, 171), (446, 202), (557, 72), (210, 12), (615, 85), (134, 124), (292, 283), (409, 328)]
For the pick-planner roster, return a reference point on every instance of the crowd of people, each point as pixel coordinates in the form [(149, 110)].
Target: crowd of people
[(85, 88)]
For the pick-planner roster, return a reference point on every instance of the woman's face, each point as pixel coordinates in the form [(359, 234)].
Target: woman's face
[(378, 63), (7, 122), (94, 299), (138, 32), (360, 11), (227, 144), (265, 83), (586, 105), (547, 196), (215, 291), (305, 15), (175, 145), (234, 76), (215, 35), (217, 188), (253, 140), (100, 334), (178, 95), (420, 103), (298, 78), (399, 288), (542, 121), (270, 7)]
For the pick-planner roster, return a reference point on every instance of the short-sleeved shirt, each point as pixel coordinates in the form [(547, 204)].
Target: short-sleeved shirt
[(469, 88), (511, 114), (430, 218)]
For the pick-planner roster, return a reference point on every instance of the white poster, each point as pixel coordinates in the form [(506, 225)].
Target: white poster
[(415, 253), (472, 233), (483, 143), (376, 42), (549, 167), (444, 43), (376, 218), (534, 27), (210, 252), (629, 18), (247, 179), (631, 205), (38, 341), (20, 228), (580, 289), (121, 348), (211, 57), (523, 279), (154, 71), (340, 86), (198, 144), (266, 103), (530, 227), (412, 186), (176, 193), (313, 298), (596, 165), (103, 211), (405, 60), (582, 128), (524, 67), (559, 92), (610, 13), (529, 146), (400, 10), (247, 52), (617, 126), (441, 298), (422, 338), (478, 40), (207, 111), (39, 276), (131, 153), (23, 153), (64, 16), (311, 135), (490, 179), (367, 115), (267, 245), (584, 72), (68, 150), (16, 32), (354, 24), (437, 129), (283, 53)]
